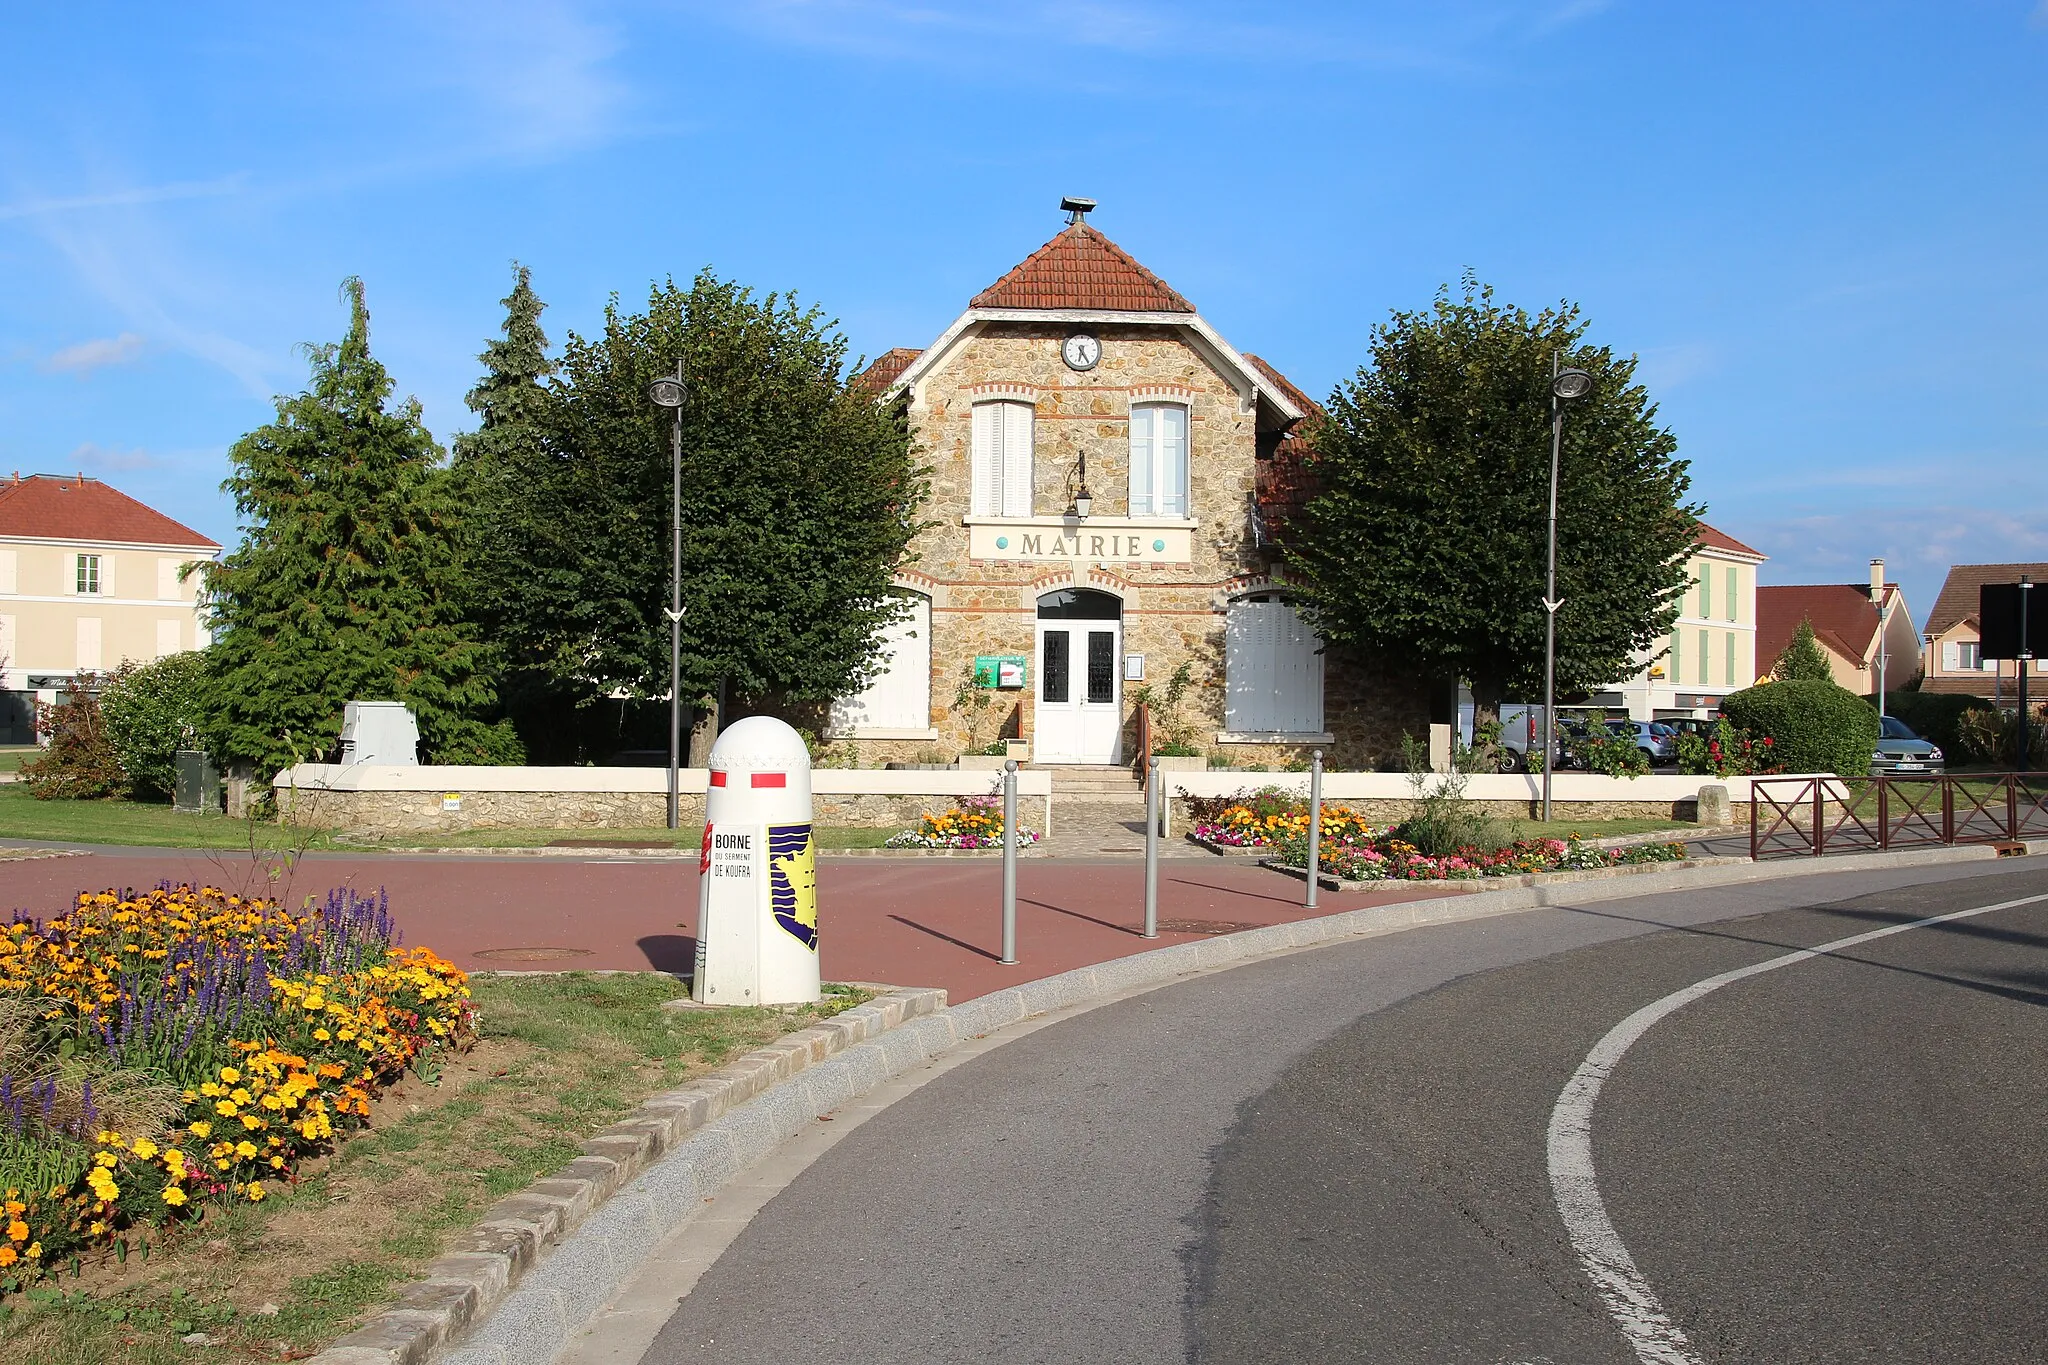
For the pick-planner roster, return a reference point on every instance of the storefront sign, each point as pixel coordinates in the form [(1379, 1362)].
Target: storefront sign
[(1096, 540), (999, 670)]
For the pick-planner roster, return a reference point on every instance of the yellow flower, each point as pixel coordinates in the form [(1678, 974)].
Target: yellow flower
[(17, 1231), (230, 1075), (226, 1109), (199, 1129), (173, 1195), (255, 1191), (144, 1148)]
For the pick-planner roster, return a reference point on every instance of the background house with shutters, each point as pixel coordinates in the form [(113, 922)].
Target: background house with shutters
[(1187, 449), (1950, 657), (88, 577), (1712, 648)]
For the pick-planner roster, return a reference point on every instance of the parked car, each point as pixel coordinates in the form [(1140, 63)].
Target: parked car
[(1659, 742), (1899, 750)]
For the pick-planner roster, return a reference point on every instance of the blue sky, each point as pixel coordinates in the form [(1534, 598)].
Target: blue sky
[(1820, 225)]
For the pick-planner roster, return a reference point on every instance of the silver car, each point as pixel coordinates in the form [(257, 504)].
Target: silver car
[(1899, 750), (1659, 743)]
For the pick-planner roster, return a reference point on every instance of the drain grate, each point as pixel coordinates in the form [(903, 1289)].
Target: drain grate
[(1204, 926), (530, 954)]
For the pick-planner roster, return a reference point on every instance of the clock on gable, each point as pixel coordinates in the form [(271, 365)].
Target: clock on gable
[(1081, 351)]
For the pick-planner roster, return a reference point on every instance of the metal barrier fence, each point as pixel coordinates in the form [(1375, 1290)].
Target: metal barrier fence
[(1791, 816)]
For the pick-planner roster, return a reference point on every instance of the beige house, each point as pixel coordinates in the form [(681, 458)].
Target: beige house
[(1712, 648), (1106, 470), (1950, 657), (88, 577), (1865, 629)]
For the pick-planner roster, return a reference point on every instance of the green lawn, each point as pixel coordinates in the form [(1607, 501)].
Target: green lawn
[(560, 1056), (138, 822), (12, 758)]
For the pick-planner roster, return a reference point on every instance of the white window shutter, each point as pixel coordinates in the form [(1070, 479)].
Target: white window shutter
[(1173, 461), (7, 627), (985, 490), (168, 633), (900, 698), (1142, 463), (9, 582), (167, 579), (1240, 690), (1273, 672), (89, 643), (1951, 657), (106, 575), (1017, 472)]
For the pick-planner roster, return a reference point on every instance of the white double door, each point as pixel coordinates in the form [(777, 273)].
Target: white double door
[(1080, 710)]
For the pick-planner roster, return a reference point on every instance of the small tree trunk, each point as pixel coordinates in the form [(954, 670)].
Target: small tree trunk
[(703, 733), (1486, 699)]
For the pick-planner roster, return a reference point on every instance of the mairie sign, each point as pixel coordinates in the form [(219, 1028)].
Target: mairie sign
[(1099, 540)]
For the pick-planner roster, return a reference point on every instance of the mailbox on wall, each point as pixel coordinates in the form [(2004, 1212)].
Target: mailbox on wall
[(999, 670)]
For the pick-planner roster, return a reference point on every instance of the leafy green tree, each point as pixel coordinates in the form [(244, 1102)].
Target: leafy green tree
[(1803, 660), (799, 500), (1424, 545), (149, 708), (348, 581)]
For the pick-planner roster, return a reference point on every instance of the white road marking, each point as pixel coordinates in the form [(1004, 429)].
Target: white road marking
[(1630, 1301)]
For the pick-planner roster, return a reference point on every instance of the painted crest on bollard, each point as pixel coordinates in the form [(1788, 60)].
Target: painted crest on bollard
[(757, 883)]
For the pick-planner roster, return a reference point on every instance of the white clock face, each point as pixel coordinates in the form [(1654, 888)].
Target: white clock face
[(1081, 351)]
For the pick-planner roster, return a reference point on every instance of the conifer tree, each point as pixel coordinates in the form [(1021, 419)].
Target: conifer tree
[(1803, 659), (347, 583)]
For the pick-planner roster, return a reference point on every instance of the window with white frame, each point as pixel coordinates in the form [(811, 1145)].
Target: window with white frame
[(1272, 669), (1159, 460), (1962, 656), (900, 697), (1001, 460), (89, 574)]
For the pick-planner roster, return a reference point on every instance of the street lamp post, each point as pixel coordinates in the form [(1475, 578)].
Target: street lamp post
[(667, 392), (1565, 385)]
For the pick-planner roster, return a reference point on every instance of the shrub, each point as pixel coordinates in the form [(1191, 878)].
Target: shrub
[(1730, 752), (1993, 736), (1936, 716), (1607, 751), (150, 710), (80, 763), (1814, 727), (1803, 660), (1441, 821)]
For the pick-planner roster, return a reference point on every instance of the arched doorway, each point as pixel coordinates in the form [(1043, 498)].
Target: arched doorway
[(1079, 715)]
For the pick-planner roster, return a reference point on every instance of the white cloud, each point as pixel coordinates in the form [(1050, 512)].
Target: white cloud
[(87, 356), (97, 457), (535, 77), (1917, 542), (123, 198)]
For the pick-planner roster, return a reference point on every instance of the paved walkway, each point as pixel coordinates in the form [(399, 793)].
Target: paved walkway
[(918, 922)]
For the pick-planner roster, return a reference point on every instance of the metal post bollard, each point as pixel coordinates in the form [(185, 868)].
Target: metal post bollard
[(1315, 828), (1152, 794), (1010, 861)]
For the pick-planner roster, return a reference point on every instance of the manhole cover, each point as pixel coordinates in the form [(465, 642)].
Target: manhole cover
[(530, 954), (1204, 926)]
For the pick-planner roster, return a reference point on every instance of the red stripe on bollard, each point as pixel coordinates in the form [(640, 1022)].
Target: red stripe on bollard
[(771, 779), (717, 779)]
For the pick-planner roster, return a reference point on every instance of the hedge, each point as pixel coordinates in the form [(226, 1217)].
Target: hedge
[(1936, 716), (1814, 727)]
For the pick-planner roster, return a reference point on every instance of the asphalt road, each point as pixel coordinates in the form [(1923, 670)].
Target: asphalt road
[(1340, 1155)]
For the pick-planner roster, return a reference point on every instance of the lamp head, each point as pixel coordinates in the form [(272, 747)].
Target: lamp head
[(666, 392), (1083, 503), (1572, 384)]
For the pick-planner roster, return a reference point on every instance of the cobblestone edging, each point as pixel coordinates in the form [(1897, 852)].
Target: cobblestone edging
[(522, 1230), (537, 1318), (12, 855)]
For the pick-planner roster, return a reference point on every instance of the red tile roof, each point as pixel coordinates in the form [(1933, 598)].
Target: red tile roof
[(62, 507), (1958, 600), (1081, 268), (1843, 619), (1285, 482), (882, 371), (1721, 540)]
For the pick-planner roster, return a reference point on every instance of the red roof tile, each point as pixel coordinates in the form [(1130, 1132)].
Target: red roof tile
[(1285, 482), (1081, 268), (1721, 540), (59, 507), (1843, 619), (882, 372), (1958, 600)]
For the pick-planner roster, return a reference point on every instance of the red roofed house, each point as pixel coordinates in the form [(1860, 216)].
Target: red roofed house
[(1865, 629), (1950, 660), (1712, 649), (88, 577), (1107, 473)]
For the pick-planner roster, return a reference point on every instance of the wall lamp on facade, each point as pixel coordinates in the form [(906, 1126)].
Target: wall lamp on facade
[(1079, 504)]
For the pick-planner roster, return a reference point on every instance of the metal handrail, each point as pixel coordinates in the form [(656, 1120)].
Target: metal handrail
[(1886, 811)]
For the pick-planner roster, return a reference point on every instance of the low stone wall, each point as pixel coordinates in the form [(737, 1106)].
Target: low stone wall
[(385, 814), (1389, 810)]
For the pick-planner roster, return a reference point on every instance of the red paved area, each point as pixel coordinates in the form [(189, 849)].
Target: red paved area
[(906, 922)]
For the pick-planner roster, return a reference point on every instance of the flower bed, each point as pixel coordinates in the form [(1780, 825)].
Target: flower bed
[(974, 822), (1260, 819), (165, 1052), (1389, 859)]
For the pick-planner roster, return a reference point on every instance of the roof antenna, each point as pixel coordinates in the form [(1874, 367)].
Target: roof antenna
[(1076, 209)]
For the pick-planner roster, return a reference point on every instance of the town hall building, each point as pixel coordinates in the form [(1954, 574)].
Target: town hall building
[(1108, 477)]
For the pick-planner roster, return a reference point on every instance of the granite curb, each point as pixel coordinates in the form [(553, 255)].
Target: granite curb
[(484, 1266), (562, 1281)]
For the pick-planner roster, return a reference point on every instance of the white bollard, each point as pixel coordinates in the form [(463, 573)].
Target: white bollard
[(757, 878)]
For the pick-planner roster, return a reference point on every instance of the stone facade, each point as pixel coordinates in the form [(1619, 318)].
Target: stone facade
[(1174, 600)]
